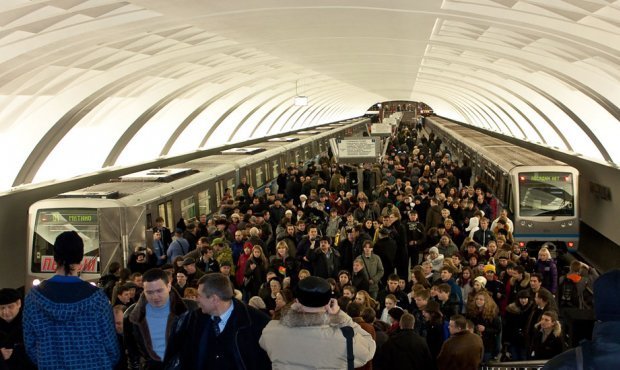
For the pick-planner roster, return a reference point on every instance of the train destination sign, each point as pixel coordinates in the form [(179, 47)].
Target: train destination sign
[(72, 216)]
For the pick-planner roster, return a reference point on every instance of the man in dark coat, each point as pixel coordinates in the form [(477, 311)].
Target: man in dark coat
[(386, 248), (146, 332), (11, 332), (223, 333), (325, 260), (405, 349), (433, 215), (463, 350)]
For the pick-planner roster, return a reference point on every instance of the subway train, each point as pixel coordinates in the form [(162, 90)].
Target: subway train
[(540, 193), (112, 218)]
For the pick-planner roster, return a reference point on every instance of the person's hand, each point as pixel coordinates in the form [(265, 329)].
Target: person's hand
[(332, 307), (6, 353), (480, 328), (163, 257)]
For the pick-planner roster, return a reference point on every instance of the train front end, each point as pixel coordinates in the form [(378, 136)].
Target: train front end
[(546, 207), (107, 227)]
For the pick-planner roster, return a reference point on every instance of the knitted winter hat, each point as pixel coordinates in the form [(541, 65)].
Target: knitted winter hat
[(481, 280)]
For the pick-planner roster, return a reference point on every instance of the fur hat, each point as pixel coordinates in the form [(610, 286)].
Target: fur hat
[(8, 296), (68, 248), (481, 280), (606, 299), (313, 291), (433, 249)]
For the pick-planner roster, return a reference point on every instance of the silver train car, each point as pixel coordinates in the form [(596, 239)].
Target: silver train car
[(540, 193), (114, 217)]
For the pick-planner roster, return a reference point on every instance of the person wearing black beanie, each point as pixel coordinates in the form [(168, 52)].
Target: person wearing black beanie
[(68, 321)]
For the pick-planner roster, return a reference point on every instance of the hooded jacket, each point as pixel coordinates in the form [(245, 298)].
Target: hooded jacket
[(68, 324)]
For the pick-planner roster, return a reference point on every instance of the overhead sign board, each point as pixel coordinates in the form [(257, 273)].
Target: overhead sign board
[(357, 150), (380, 129)]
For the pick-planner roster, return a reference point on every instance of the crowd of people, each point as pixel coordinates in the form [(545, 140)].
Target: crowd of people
[(422, 265)]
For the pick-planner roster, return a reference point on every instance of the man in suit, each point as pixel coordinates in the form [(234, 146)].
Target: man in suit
[(223, 333)]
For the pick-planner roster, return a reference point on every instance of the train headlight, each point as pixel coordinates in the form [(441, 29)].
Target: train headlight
[(522, 222), (570, 223), (530, 224), (563, 224), (36, 282)]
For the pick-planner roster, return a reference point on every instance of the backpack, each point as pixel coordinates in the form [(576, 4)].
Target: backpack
[(568, 296)]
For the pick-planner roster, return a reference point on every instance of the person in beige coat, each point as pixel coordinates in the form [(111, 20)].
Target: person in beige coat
[(308, 335)]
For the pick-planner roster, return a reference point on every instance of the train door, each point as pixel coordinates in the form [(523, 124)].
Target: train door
[(204, 200), (188, 208), (165, 211), (117, 240), (219, 193)]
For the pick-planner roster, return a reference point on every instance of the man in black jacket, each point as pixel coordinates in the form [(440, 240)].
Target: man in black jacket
[(406, 349), (147, 324), (224, 333)]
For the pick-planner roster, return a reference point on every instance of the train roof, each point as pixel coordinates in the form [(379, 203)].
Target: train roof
[(506, 155), (145, 186)]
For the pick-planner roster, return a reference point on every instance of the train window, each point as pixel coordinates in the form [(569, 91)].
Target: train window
[(204, 198), (546, 194), (230, 184), (188, 208), (218, 193), (161, 210), (275, 168), (260, 176), (51, 222), (169, 215)]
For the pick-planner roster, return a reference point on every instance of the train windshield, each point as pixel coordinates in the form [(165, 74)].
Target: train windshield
[(51, 222), (546, 194)]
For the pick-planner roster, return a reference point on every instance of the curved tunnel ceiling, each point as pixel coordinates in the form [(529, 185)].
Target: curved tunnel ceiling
[(87, 85)]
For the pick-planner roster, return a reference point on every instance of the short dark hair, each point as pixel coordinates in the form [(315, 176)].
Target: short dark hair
[(154, 275), (407, 321), (354, 309), (444, 287), (393, 277), (537, 275), (122, 289), (460, 322), (217, 284), (369, 315), (114, 267)]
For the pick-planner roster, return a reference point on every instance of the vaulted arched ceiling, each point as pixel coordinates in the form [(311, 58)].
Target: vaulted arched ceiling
[(87, 85)]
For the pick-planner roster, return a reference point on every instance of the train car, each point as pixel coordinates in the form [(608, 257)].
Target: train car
[(115, 217), (541, 193)]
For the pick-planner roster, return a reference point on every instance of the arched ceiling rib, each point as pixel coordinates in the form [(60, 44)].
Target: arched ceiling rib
[(87, 85)]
